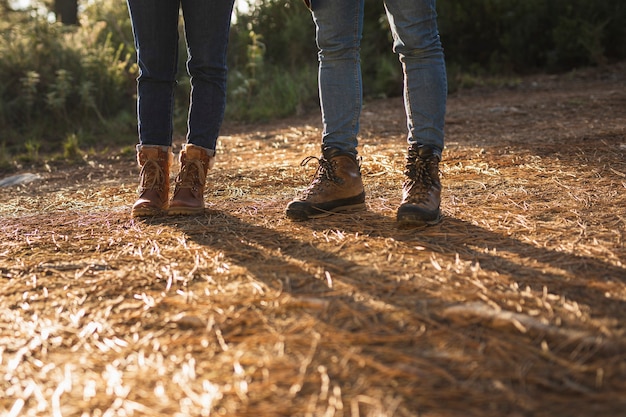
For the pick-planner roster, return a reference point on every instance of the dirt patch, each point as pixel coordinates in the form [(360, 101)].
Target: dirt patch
[(513, 305)]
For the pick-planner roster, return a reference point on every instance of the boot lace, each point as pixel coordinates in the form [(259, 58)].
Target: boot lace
[(190, 176), (420, 176), (151, 176), (325, 173)]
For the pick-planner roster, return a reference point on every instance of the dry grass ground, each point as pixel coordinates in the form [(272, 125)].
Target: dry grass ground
[(515, 305)]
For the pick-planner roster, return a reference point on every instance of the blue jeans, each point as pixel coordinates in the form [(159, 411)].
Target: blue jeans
[(339, 27), (155, 28)]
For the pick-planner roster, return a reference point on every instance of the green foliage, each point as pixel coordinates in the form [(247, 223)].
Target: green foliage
[(276, 93), (29, 83), (54, 79), (5, 160), (381, 70), (260, 90), (32, 150), (532, 35), (286, 30), (272, 62), (71, 148)]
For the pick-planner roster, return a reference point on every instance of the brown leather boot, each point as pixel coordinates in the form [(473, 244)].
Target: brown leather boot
[(336, 187), (154, 180), (195, 162), (421, 192)]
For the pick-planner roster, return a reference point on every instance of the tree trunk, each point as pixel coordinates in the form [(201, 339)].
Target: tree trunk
[(66, 11)]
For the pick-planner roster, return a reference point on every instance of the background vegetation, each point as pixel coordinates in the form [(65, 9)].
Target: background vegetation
[(63, 87)]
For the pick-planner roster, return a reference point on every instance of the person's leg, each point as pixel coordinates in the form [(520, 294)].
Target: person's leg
[(337, 185), (416, 41), (339, 26), (155, 29), (207, 25)]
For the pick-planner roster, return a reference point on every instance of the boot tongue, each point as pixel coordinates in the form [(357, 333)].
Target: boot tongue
[(149, 154), (198, 152), (193, 153), (329, 153), (425, 152)]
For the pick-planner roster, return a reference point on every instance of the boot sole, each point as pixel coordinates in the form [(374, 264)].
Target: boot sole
[(415, 221), (147, 212), (300, 215), (185, 211)]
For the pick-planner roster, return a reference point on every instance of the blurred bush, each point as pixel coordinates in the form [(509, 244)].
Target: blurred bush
[(56, 79), (532, 35)]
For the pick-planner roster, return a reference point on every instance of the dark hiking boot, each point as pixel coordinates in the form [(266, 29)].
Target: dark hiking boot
[(154, 180), (188, 196), (421, 192), (336, 187)]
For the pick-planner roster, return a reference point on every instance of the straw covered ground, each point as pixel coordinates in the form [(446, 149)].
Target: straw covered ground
[(514, 305)]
